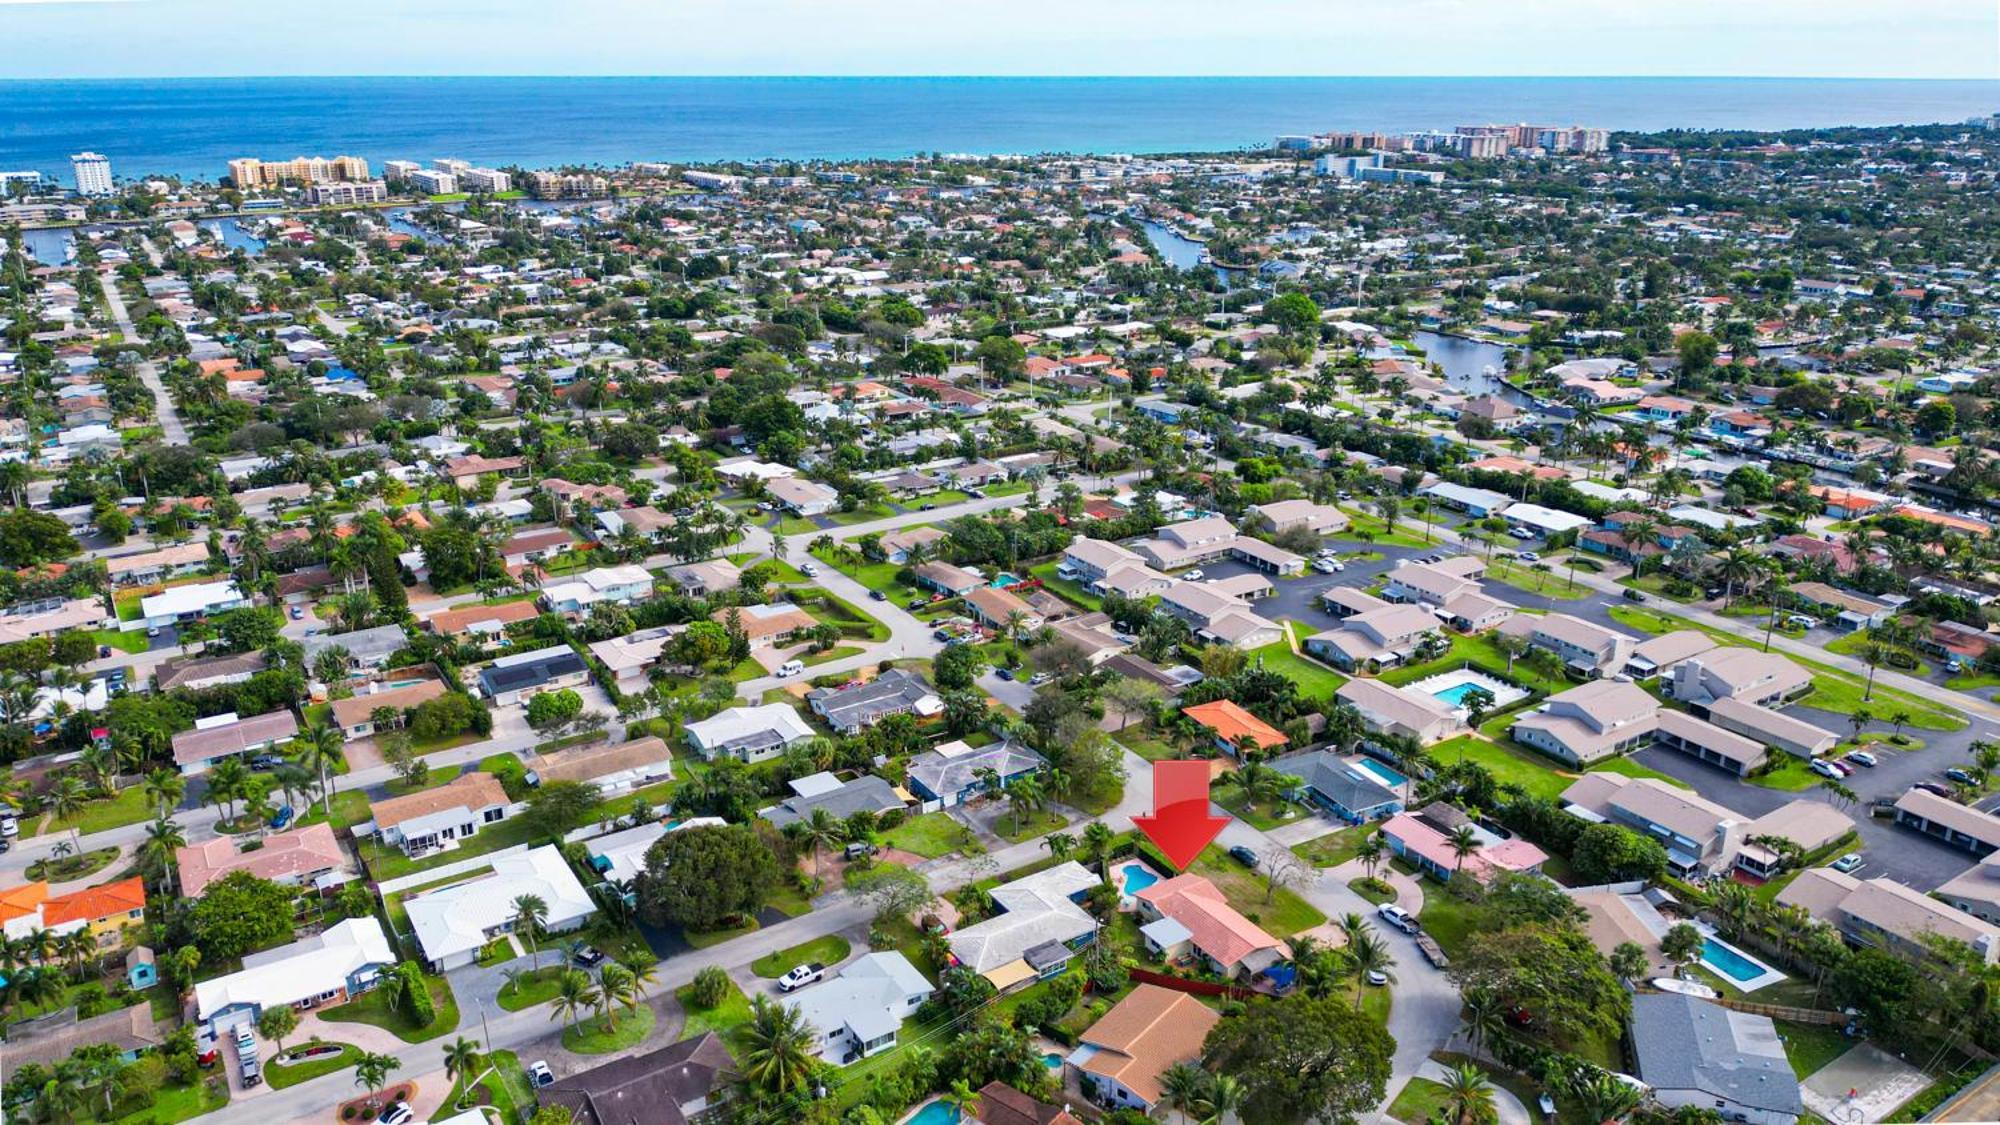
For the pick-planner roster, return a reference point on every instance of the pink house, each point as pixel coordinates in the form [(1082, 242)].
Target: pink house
[(1424, 838), (1188, 915)]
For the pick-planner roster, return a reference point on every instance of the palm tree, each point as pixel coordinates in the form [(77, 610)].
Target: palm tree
[(1604, 1097), (1369, 852), (226, 783), (165, 787), (1182, 1083), (961, 1099), (461, 1058), (1023, 797), (1097, 845), (1463, 842), (530, 912), (1468, 1096), (778, 1047), (1224, 1096), (1368, 953), (1060, 844), (821, 830), (615, 989), (645, 971), (164, 839), (371, 1071), (67, 799), (321, 750), (574, 996)]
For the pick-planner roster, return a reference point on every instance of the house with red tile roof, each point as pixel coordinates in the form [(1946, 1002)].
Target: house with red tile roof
[(1230, 724), (105, 911), (1187, 915)]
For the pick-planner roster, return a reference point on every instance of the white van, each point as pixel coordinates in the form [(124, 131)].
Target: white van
[(791, 668)]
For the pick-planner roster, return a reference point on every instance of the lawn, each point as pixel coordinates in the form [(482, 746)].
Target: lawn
[(536, 986), (180, 1103), (1063, 587), (838, 652), (350, 807), (829, 950), (1810, 1046), (1039, 823), (128, 807), (1316, 681), (1833, 689), (1334, 848), (504, 1082), (1371, 891), (1420, 1100), (1261, 817), (1972, 681), (279, 1076), (1137, 740), (930, 835), (1445, 918), (71, 867), (853, 623), (1856, 644), (724, 1018), (373, 1008), (134, 642), (600, 1035), (1538, 777), (1282, 916), (876, 576), (1791, 775), (1553, 582), (1370, 529)]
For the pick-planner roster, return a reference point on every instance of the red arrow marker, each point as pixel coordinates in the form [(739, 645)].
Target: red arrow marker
[(1181, 824)]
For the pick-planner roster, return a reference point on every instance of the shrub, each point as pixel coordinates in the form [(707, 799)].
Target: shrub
[(417, 1002), (709, 988)]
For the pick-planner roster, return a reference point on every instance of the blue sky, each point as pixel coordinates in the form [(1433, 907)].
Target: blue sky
[(1832, 38)]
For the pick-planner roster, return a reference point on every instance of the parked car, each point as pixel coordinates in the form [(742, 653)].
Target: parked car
[(282, 819), (539, 1074), (1632, 595), (396, 1113), (1243, 855), (1040, 678), (1863, 758), (1521, 533), (1325, 566), (859, 849), (1398, 917), (266, 762), (1377, 977), (153, 631), (298, 613), (1194, 575), (1963, 777), (809, 570), (1826, 769), (1529, 556), (1847, 863), (877, 596), (587, 957), (1004, 673), (801, 976), (791, 668), (1935, 787)]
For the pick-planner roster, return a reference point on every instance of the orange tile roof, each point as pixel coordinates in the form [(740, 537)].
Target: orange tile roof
[(1217, 928), (94, 903), (21, 901), (1230, 722), (1146, 1033)]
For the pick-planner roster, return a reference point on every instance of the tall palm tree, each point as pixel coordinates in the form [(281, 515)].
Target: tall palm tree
[(1463, 841), (164, 788), (320, 749), (615, 989), (1368, 953), (1181, 1086), (530, 912), (371, 1071), (1023, 797), (1223, 1097), (1469, 1098), (778, 1047), (961, 1100), (821, 830), (164, 840), (65, 800), (1097, 845), (645, 971), (461, 1058)]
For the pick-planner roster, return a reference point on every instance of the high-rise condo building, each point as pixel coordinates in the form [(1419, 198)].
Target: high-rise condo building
[(93, 173)]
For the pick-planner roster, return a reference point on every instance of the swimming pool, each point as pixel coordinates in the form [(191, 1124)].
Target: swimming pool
[(936, 1113), (1003, 580), (1052, 1060), (1456, 693), (1730, 963), (1380, 772), (1452, 687), (1136, 877)]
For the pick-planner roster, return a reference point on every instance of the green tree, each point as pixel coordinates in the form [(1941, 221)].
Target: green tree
[(778, 1047), (1302, 1059), (238, 914), (702, 878)]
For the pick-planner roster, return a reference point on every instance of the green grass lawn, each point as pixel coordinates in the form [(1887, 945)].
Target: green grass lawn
[(1810, 1046), (1791, 775), (1554, 582), (350, 807), (1316, 681), (128, 807), (1030, 825), (176, 1102), (612, 1031), (279, 1076), (837, 652), (1261, 817), (1445, 918), (533, 987), (1370, 529), (1538, 776), (1136, 739), (134, 642), (373, 1008), (829, 950), (504, 1082), (876, 576), (1856, 644), (1334, 848), (1365, 889), (1972, 681), (1283, 915), (930, 835), (1064, 588), (724, 1018), (72, 867), (1630, 768)]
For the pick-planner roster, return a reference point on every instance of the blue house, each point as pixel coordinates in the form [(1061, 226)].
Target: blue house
[(949, 775), (1338, 787), (1169, 412), (140, 969)]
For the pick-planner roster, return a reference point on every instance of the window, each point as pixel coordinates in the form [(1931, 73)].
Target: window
[(494, 814)]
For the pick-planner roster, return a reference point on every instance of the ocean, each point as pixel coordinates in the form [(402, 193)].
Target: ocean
[(192, 127)]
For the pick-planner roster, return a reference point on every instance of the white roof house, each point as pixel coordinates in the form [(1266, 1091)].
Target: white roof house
[(749, 733), (195, 599), (336, 959), (859, 1012), (1036, 910), (624, 583), (452, 924), (1548, 521)]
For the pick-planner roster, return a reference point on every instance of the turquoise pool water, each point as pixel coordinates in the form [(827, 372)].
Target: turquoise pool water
[(1456, 693), (1137, 877), (1052, 1060), (936, 1113), (1004, 580), (1728, 962), (1380, 772)]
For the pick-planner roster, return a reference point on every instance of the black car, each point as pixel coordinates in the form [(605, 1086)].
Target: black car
[(1243, 855), (877, 596), (587, 957), (1004, 673)]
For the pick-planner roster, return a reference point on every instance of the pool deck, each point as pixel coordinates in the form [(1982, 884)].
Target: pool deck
[(1653, 920)]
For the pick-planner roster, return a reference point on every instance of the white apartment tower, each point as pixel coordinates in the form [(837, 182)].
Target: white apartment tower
[(93, 173)]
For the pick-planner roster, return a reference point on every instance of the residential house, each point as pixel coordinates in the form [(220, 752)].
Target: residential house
[(1337, 786), (896, 692), (1659, 655), (860, 1011), (609, 767), (843, 799), (630, 659), (748, 734), (1127, 1051), (331, 967), (1202, 925), (1231, 727), (620, 585), (1771, 728), (177, 605), (1001, 1104), (1699, 1055), (706, 579), (1435, 584), (538, 545), (1475, 502), (1715, 745), (946, 578), (480, 621), (1387, 710), (226, 736), (1428, 838), (452, 924), (365, 648), (1587, 649), (1037, 930), (107, 911), (523, 675), (196, 672), (897, 545), (1001, 611), (687, 1083), (1886, 914), (804, 497), (647, 522), (950, 774), (439, 819), (148, 567), (49, 1040), (1286, 515), (355, 715), (1699, 835), (1590, 722), (1375, 639), (1761, 679), (301, 857), (1961, 826)]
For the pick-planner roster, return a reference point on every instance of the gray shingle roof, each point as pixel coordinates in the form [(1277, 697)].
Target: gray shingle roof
[(1683, 1043)]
